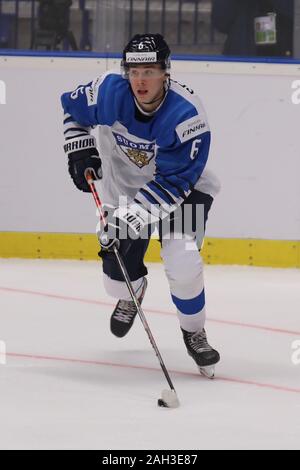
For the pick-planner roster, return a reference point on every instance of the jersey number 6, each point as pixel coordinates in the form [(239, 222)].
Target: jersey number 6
[(195, 148), (75, 94)]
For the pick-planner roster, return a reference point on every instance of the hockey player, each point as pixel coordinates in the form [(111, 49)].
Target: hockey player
[(154, 143)]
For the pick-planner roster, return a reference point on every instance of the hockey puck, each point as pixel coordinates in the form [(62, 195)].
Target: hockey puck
[(162, 403), (168, 399)]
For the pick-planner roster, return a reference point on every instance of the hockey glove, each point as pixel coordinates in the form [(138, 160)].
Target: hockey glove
[(127, 223), (82, 161)]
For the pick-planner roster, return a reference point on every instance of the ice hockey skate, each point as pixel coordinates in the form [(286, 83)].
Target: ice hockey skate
[(203, 354), (124, 314)]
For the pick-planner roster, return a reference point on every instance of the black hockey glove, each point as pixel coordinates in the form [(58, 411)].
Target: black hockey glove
[(82, 161)]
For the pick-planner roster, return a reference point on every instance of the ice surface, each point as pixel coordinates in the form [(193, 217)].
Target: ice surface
[(69, 384)]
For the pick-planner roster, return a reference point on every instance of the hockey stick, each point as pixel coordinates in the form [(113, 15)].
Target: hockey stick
[(169, 397)]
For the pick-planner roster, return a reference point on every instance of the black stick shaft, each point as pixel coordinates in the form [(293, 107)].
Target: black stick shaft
[(142, 317)]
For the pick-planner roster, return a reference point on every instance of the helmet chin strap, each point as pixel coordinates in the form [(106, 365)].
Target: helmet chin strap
[(157, 99)]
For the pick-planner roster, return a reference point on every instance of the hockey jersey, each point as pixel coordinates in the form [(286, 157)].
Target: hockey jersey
[(155, 160)]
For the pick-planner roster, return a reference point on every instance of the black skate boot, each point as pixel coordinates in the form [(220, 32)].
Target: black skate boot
[(203, 354), (124, 314)]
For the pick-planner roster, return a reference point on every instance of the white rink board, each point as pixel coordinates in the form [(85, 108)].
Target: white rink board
[(255, 146)]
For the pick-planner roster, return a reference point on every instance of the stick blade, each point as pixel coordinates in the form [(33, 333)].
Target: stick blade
[(168, 399)]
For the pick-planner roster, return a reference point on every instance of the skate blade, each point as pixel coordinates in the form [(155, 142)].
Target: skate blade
[(208, 372)]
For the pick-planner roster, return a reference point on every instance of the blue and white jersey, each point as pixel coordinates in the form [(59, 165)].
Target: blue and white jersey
[(153, 160)]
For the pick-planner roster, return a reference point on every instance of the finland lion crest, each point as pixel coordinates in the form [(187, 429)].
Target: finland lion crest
[(139, 153)]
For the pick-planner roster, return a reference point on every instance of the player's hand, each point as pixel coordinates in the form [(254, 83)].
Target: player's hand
[(108, 244), (80, 163), (127, 223)]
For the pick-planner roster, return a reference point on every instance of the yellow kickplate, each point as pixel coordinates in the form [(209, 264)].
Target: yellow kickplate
[(273, 253)]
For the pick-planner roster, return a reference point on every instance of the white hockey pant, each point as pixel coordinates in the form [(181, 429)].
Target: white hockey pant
[(184, 270)]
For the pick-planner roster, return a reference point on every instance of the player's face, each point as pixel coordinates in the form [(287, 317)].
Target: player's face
[(147, 83)]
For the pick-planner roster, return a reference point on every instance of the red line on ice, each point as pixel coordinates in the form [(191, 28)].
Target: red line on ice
[(150, 310), (132, 366)]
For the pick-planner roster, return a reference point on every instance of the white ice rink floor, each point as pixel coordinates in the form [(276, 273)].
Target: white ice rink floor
[(69, 384)]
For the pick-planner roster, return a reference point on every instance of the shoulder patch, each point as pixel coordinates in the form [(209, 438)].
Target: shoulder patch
[(191, 128), (92, 91)]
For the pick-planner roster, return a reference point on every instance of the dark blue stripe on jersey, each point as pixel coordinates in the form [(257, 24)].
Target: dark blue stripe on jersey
[(171, 186), (151, 199), (140, 204), (73, 129), (190, 306), (179, 183), (69, 119), (156, 187), (78, 129), (75, 136), (149, 196)]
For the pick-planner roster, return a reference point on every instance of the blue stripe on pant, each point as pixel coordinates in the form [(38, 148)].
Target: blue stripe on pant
[(190, 306)]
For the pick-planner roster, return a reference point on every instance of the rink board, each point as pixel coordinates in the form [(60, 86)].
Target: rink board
[(253, 110), (273, 253)]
